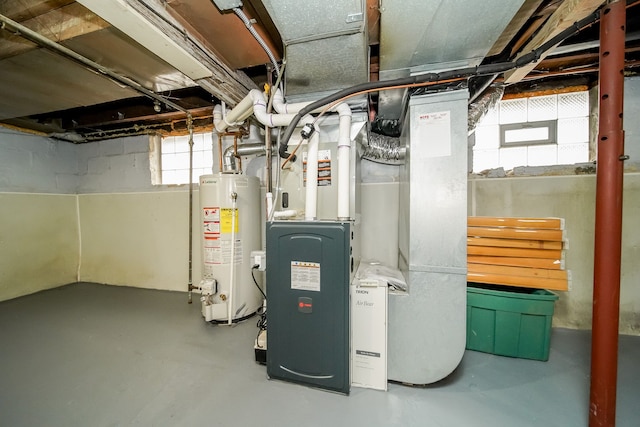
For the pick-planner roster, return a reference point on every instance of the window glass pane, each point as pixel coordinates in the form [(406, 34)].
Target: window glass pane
[(198, 142), (168, 145), (542, 108), (487, 137), (574, 104), (169, 177), (573, 153), (169, 162), (513, 111), (182, 144), (526, 134), (512, 157), (175, 158), (573, 130), (542, 155)]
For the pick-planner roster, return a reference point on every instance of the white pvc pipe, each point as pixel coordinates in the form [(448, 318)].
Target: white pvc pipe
[(287, 213), (282, 108), (311, 195), (260, 111), (239, 113), (344, 163)]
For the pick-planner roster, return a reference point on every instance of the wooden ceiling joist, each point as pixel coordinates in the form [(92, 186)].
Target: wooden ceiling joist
[(567, 13), (58, 25)]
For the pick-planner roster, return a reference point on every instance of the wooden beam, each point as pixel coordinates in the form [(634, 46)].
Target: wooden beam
[(226, 84), (518, 222), (569, 12), (538, 273), (23, 10), (515, 233), (521, 17), (514, 252), (549, 264), (60, 24), (519, 281), (513, 243)]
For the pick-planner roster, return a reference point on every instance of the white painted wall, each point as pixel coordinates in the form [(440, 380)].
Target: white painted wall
[(571, 198), (39, 244)]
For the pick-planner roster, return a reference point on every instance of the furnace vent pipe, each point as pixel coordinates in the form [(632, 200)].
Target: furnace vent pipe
[(344, 163), (311, 194), (229, 159)]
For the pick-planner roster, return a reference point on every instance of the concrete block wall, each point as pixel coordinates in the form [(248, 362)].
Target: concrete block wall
[(35, 164), (39, 240), (115, 165)]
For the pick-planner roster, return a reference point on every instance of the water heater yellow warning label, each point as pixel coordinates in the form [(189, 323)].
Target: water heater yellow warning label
[(227, 219)]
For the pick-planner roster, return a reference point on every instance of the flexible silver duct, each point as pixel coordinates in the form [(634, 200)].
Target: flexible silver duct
[(384, 149), (483, 104)]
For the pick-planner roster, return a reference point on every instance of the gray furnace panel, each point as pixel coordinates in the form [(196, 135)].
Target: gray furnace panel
[(308, 267)]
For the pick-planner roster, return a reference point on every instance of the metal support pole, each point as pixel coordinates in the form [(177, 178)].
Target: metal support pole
[(608, 225)]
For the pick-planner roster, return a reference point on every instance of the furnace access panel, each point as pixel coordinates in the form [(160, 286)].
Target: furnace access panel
[(308, 270)]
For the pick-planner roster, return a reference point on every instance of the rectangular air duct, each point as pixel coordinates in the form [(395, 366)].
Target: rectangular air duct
[(325, 43)]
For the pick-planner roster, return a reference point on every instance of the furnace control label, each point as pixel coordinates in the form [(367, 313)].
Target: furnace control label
[(305, 276)]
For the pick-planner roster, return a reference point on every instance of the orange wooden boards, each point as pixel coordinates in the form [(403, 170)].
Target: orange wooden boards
[(524, 252)]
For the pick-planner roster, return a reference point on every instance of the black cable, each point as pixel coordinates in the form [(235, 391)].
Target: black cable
[(480, 70), (255, 267), (262, 320)]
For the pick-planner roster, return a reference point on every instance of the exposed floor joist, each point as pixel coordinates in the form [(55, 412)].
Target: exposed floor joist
[(567, 13), (58, 25)]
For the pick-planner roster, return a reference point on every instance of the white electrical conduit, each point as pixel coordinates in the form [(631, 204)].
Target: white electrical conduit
[(247, 22), (232, 278)]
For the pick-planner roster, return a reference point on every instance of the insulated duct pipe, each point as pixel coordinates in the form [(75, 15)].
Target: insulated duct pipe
[(384, 149), (428, 78), (608, 225)]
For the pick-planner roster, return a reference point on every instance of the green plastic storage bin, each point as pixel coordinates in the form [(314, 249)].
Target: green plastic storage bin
[(508, 321)]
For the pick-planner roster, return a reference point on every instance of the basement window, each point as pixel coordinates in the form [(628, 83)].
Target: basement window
[(171, 155), (535, 131)]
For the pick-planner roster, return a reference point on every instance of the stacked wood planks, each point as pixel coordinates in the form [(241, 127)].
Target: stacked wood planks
[(525, 252)]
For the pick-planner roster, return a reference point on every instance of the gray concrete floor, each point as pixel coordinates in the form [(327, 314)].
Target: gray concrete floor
[(94, 355)]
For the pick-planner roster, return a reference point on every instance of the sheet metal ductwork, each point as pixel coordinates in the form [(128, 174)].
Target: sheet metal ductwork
[(419, 36), (325, 42)]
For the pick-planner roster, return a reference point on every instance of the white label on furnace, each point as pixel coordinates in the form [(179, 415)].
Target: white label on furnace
[(305, 276), (434, 130)]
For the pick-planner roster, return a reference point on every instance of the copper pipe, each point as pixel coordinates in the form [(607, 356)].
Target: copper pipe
[(608, 224), (235, 151), (220, 135)]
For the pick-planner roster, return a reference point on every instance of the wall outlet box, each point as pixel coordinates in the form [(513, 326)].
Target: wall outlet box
[(259, 258)]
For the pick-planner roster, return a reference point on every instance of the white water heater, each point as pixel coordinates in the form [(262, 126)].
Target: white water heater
[(230, 219)]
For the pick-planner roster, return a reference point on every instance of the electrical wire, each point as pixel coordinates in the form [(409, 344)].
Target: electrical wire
[(256, 282), (261, 312), (247, 22)]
